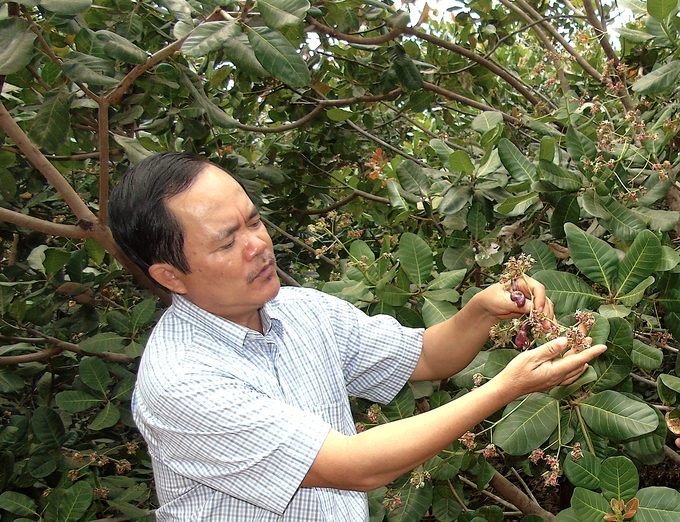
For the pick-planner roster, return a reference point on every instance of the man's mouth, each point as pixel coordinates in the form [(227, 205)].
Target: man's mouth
[(263, 271)]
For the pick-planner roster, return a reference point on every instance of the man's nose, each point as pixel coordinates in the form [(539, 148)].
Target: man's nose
[(253, 245)]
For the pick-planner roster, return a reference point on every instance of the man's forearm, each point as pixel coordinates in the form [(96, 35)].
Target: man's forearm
[(377, 456), (450, 346)]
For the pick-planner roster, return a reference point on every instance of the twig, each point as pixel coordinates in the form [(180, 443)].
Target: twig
[(286, 278), (455, 494), (467, 101), (671, 454), (524, 485), (299, 243), (385, 144), (488, 493), (72, 157), (642, 379)]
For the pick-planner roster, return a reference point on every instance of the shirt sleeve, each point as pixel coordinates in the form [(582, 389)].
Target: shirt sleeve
[(232, 438), (378, 354)]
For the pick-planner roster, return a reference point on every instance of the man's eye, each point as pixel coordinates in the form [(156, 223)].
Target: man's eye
[(256, 224), (227, 246)]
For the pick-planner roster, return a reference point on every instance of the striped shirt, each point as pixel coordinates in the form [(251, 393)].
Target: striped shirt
[(234, 419)]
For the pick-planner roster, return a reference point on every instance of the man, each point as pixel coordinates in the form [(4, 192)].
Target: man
[(242, 391)]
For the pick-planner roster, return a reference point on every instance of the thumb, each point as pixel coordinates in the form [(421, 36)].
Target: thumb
[(552, 349)]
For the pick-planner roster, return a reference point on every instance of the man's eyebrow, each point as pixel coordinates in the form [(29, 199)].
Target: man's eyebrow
[(225, 233)]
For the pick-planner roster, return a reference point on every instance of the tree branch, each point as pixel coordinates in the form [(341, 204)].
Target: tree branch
[(52, 175), (488, 64), (46, 227), (364, 40), (564, 83), (518, 498), (103, 162), (467, 101)]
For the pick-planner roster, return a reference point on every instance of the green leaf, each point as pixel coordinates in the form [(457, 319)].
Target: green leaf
[(143, 313), (671, 300), (639, 262), (106, 418), (75, 502), (658, 504), (567, 291), (50, 127), (392, 295), (66, 7), (48, 427), (486, 121), (42, 464), (413, 179), (517, 205), (619, 478), (337, 114), (16, 45), (589, 506), (519, 167), (447, 280), (240, 53), (278, 57), (18, 504), (209, 36), (567, 210), (134, 150), (402, 406), (622, 222), (636, 294), (95, 374), (579, 145), (566, 515), (416, 258), (657, 220), (592, 256), (660, 9), (612, 367), (435, 311), (455, 198), (460, 161), (528, 426), (614, 415), (542, 253), (405, 70), (9, 381), (215, 114), (647, 357), (633, 35), (102, 342), (280, 13), (121, 48), (585, 472), (75, 401), (560, 177), (659, 80)]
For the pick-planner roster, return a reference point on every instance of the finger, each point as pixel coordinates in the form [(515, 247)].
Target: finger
[(571, 363), (551, 349), (677, 442)]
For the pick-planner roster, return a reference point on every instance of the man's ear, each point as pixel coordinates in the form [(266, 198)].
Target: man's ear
[(168, 276)]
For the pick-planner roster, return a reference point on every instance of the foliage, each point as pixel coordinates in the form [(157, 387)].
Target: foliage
[(399, 165)]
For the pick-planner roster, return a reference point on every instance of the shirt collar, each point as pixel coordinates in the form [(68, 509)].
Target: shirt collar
[(220, 327)]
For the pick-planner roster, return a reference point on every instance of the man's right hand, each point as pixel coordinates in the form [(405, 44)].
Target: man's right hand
[(541, 369)]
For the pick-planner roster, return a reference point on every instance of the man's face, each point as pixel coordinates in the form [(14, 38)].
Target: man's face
[(229, 251)]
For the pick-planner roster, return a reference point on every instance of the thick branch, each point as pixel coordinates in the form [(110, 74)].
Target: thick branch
[(36, 157), (488, 64), (518, 498), (364, 40), (72, 157), (103, 161), (283, 128), (546, 42), (555, 33), (52, 351), (467, 101), (46, 227)]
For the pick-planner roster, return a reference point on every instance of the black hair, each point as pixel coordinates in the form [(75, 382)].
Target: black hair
[(140, 221)]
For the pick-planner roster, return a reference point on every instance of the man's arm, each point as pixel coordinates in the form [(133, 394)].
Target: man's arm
[(377, 456), (450, 346)]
